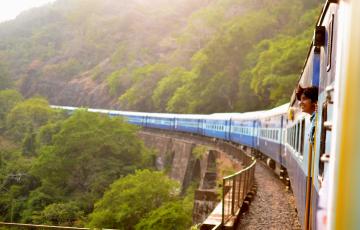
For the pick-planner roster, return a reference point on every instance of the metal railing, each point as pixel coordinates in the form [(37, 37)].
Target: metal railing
[(235, 189), (34, 226)]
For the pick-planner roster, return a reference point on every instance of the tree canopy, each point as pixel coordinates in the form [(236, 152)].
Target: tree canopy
[(55, 167), (132, 198)]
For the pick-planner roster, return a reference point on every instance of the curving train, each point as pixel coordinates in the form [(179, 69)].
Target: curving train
[(281, 134)]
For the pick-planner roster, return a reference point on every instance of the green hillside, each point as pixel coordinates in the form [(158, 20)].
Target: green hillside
[(186, 56)]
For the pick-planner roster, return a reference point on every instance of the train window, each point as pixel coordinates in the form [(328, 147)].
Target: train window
[(330, 42), (287, 135), (274, 134), (298, 137), (302, 137), (293, 137)]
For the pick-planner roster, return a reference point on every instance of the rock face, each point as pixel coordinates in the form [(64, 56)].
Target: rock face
[(81, 91)]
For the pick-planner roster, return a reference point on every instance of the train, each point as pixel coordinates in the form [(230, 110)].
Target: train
[(324, 175)]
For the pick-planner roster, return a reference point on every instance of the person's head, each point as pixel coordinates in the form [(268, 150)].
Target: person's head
[(308, 99)]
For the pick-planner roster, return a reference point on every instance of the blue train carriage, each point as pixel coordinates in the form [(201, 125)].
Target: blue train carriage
[(297, 155), (135, 118), (307, 163), (160, 121), (217, 126), (244, 128), (270, 133), (190, 123)]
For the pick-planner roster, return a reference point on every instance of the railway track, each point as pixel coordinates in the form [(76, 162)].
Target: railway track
[(273, 206)]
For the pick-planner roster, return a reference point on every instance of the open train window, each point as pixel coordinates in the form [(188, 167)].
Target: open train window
[(330, 42), (302, 137), (287, 136), (273, 134), (298, 137), (294, 137)]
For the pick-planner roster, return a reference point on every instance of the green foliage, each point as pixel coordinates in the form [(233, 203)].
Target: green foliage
[(35, 203), (15, 183), (172, 215), (167, 87), (60, 214), (27, 117), (131, 198), (116, 82), (64, 70), (8, 99), (165, 56), (87, 154), (5, 81), (199, 151), (145, 80), (47, 133), (275, 72)]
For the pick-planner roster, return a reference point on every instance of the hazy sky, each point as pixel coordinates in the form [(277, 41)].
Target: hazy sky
[(9, 9)]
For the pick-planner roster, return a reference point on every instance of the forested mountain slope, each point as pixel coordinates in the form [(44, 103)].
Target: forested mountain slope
[(187, 56)]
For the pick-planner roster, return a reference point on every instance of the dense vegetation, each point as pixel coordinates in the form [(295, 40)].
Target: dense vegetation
[(181, 56), (86, 169)]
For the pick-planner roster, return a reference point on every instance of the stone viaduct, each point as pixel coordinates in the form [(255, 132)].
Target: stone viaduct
[(190, 158)]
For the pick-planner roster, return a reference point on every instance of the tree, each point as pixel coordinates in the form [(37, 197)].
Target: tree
[(62, 214), (88, 153), (8, 99), (5, 81), (131, 198), (167, 87), (138, 96), (27, 117), (171, 215), (277, 68)]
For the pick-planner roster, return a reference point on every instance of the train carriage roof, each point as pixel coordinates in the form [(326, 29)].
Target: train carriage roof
[(282, 109)]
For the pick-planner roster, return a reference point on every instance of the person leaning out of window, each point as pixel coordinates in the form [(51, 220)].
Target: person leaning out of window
[(308, 98)]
